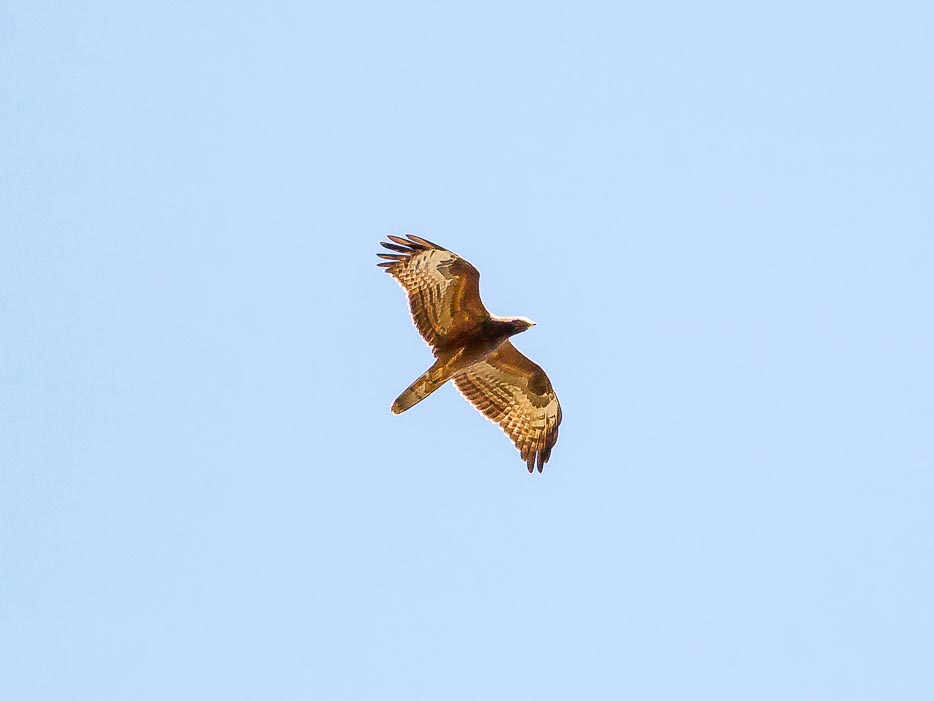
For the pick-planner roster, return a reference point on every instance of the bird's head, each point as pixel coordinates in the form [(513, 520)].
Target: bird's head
[(518, 324)]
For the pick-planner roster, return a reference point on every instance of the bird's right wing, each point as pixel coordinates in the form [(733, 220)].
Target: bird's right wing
[(512, 391), (443, 288)]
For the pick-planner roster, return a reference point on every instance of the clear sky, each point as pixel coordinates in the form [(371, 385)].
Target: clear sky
[(719, 214)]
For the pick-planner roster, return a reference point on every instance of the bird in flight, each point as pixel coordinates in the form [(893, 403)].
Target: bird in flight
[(472, 347)]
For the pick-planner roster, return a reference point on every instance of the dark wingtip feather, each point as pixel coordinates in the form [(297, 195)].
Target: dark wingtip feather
[(386, 265), (423, 242), (395, 247), (410, 245)]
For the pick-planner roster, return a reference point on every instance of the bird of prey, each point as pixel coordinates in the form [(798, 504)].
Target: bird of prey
[(472, 347)]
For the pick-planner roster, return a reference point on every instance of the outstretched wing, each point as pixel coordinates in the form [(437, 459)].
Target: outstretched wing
[(511, 390), (443, 288)]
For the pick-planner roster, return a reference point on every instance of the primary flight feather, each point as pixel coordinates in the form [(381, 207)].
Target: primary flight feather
[(472, 347)]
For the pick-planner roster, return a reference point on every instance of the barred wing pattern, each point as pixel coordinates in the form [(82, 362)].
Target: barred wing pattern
[(443, 288), (512, 391)]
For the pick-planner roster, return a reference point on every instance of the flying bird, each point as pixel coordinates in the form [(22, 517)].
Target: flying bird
[(472, 347)]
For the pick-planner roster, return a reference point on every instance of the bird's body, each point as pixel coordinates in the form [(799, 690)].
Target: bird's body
[(468, 349), (472, 347)]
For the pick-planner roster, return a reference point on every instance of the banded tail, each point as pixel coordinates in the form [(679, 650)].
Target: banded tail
[(432, 379)]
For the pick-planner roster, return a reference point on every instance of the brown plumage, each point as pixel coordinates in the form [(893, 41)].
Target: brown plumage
[(472, 347)]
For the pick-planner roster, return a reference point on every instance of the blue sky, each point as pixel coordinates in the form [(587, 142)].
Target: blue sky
[(719, 215)]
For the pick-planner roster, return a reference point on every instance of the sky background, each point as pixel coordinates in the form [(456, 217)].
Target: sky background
[(719, 214)]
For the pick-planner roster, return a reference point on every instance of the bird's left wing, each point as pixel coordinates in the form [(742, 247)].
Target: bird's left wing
[(512, 391)]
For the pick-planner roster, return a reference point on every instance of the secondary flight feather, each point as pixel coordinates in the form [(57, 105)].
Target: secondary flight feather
[(472, 347)]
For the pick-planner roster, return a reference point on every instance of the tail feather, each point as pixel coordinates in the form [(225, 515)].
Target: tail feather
[(431, 380)]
